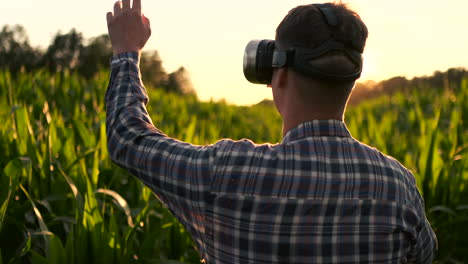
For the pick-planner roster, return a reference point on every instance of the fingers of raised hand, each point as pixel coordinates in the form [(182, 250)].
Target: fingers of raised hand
[(109, 17), (125, 5), (117, 8), (137, 6)]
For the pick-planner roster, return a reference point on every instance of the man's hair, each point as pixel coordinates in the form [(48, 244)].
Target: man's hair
[(306, 27)]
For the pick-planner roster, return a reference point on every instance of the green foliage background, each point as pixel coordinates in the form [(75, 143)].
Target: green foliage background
[(63, 201)]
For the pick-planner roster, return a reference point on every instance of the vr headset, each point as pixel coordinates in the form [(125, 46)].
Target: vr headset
[(261, 57)]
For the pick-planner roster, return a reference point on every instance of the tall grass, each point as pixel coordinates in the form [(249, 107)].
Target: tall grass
[(63, 201)]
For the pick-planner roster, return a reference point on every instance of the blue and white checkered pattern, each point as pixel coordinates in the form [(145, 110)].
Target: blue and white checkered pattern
[(320, 196)]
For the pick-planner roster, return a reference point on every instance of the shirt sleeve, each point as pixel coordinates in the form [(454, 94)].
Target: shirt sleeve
[(179, 173)]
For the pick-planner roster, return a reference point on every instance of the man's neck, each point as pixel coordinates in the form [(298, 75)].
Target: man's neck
[(295, 117)]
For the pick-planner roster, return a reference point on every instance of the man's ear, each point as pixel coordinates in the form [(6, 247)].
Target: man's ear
[(280, 77), (284, 76)]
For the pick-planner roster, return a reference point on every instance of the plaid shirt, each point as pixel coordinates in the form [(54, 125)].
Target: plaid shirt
[(320, 196)]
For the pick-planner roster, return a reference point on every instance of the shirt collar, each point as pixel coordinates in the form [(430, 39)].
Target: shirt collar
[(317, 128)]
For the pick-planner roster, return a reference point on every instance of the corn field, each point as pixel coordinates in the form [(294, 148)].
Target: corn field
[(63, 201)]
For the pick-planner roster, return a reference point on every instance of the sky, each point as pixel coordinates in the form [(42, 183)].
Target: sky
[(208, 37)]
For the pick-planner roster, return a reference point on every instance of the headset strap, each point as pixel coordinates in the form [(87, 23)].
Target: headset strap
[(303, 63), (329, 15), (301, 59)]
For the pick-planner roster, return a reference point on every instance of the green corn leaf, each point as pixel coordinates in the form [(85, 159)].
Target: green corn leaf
[(114, 241), (91, 205), (95, 168), (50, 244), (40, 219), (54, 143), (24, 131), (121, 202), (57, 120), (455, 119), (79, 159), (76, 194), (146, 194), (432, 164), (190, 131), (9, 185), (462, 207), (167, 261), (56, 251), (78, 245), (37, 258), (103, 141), (93, 221), (27, 246), (139, 221), (86, 137), (70, 246), (441, 208), (114, 247)]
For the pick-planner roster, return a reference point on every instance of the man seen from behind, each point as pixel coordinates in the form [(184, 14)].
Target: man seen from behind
[(319, 196)]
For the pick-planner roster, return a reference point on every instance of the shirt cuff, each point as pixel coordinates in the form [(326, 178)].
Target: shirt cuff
[(132, 57)]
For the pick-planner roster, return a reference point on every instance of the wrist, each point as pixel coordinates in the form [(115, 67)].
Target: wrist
[(132, 57), (118, 51)]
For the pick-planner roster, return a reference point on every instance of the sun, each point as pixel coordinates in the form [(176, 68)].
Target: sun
[(370, 70)]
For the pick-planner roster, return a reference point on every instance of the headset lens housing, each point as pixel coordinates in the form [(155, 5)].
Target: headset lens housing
[(258, 57)]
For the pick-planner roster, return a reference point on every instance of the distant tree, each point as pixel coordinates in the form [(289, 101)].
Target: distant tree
[(15, 52), (69, 51), (363, 91), (448, 80), (152, 71), (393, 85), (454, 77), (179, 82), (266, 103), (64, 52), (95, 56)]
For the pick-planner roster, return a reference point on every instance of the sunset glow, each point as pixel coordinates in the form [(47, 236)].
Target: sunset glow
[(407, 38)]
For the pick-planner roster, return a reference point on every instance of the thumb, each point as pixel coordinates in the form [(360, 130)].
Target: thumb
[(146, 23), (145, 20)]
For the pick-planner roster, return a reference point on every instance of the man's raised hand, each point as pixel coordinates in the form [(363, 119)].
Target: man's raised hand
[(128, 28)]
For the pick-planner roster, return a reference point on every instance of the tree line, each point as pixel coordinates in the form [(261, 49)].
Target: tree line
[(70, 51), (448, 80)]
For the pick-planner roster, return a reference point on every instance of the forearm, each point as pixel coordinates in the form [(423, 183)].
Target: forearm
[(125, 86), (178, 172), (126, 114)]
